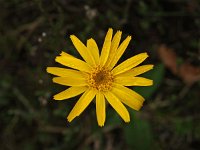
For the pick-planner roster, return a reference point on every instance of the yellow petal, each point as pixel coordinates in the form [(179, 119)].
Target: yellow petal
[(72, 62), (66, 54), (129, 63), (83, 50), (82, 103), (70, 81), (136, 71), (128, 96), (70, 92), (106, 47), (118, 106), (133, 81), (120, 52), (114, 45), (62, 72), (100, 109), (92, 46)]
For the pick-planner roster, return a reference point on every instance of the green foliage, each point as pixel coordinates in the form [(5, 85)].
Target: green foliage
[(138, 134)]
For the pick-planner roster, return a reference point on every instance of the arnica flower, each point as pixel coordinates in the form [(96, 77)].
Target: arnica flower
[(99, 79)]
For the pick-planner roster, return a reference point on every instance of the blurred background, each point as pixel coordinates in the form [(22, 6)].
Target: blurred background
[(33, 33)]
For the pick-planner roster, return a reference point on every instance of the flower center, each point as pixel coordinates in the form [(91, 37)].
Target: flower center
[(100, 79)]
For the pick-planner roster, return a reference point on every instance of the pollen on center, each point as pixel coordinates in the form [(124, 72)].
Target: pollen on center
[(100, 78)]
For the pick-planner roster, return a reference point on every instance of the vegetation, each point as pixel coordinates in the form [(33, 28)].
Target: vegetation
[(34, 32)]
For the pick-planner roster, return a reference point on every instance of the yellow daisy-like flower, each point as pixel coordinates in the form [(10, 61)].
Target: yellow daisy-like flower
[(98, 78)]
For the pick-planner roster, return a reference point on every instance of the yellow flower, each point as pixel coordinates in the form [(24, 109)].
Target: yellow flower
[(98, 78)]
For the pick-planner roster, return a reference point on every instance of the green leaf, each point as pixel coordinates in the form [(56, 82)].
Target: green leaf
[(138, 135), (113, 118)]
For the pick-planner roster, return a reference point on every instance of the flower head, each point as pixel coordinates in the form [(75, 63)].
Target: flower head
[(98, 78)]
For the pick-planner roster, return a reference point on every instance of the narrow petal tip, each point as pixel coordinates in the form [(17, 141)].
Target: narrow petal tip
[(151, 82), (127, 120), (47, 69), (146, 54), (101, 125), (54, 80), (69, 119), (119, 31), (90, 39), (139, 107), (62, 53), (151, 66), (129, 36), (55, 97), (72, 36), (56, 59), (110, 31)]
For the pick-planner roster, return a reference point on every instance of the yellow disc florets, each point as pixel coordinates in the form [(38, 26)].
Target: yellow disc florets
[(100, 79)]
